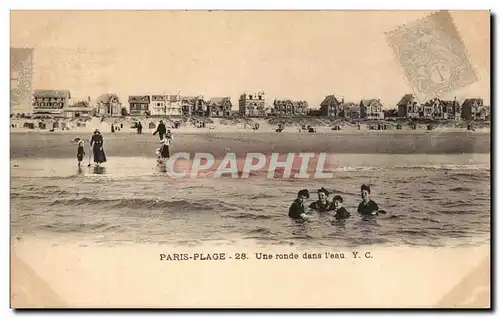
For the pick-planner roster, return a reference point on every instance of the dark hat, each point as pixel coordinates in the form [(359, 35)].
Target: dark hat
[(338, 198), (303, 192), (365, 187)]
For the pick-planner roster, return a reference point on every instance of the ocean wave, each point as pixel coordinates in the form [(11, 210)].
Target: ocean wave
[(249, 216), (80, 227), (261, 231), (262, 196), (460, 189), (17, 195), (186, 205)]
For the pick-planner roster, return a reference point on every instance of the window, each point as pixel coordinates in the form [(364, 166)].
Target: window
[(260, 97), (250, 96), (61, 104), (42, 104)]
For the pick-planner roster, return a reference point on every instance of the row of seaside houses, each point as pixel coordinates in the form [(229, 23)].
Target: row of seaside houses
[(57, 103)]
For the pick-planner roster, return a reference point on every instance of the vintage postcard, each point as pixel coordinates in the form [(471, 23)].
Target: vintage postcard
[(250, 159)]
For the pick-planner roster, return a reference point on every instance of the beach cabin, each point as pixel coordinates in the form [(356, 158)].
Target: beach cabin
[(29, 125)]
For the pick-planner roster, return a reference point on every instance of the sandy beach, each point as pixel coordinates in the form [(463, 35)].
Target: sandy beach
[(61, 145)]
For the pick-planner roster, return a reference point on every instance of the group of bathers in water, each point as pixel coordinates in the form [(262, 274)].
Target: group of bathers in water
[(298, 210)]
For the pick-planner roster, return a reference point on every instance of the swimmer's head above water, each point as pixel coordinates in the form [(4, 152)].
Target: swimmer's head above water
[(303, 195), (338, 200), (323, 194), (365, 192)]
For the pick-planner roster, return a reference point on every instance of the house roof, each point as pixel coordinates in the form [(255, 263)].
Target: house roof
[(158, 97), (138, 99), (281, 101), (106, 98), (300, 104), (368, 102), (350, 104), (406, 98), (189, 98), (44, 93), (330, 99), (448, 102), (470, 101), (297, 104), (81, 103), (219, 100)]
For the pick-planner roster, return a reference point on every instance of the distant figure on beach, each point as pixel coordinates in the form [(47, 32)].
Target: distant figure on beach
[(164, 151), (112, 128), (340, 212), (168, 135), (80, 152), (297, 210), (161, 129), (322, 204), (139, 128), (367, 206), (97, 142)]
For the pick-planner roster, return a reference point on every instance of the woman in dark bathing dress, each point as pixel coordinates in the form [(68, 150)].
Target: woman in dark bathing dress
[(97, 147)]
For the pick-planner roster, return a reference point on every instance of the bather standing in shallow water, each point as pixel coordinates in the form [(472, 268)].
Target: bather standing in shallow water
[(297, 209), (322, 204), (97, 142), (367, 206)]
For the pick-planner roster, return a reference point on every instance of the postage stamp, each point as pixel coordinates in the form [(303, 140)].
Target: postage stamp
[(432, 55)]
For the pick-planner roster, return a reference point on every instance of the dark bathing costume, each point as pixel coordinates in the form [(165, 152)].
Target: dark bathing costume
[(320, 207), (367, 209), (80, 152), (296, 209), (341, 214)]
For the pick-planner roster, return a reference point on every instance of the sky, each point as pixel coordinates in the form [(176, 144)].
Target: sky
[(301, 55)]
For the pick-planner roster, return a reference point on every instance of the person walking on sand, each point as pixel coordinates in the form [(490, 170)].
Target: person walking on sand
[(80, 152), (96, 143), (161, 129)]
